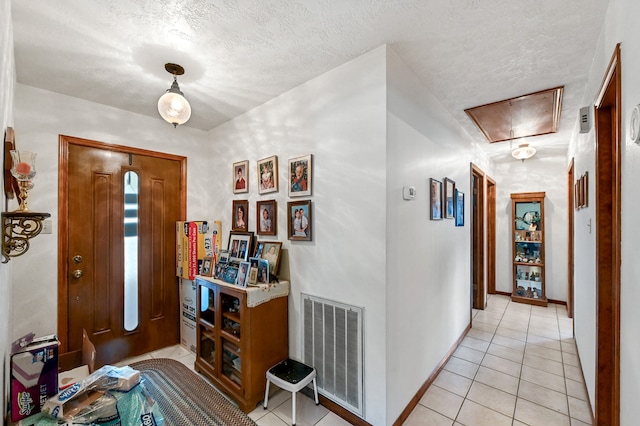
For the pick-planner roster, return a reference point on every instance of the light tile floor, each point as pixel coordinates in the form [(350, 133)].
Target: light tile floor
[(518, 365)]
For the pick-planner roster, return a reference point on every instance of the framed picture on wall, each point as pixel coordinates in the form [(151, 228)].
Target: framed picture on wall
[(459, 208), (240, 215), (449, 198), (266, 217), (299, 220), (435, 200), (268, 175), (241, 177), (300, 173)]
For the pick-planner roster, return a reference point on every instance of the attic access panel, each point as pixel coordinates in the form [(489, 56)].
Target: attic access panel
[(528, 115)]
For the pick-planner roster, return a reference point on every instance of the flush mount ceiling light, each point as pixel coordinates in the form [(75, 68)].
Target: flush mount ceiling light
[(523, 152), (172, 106)]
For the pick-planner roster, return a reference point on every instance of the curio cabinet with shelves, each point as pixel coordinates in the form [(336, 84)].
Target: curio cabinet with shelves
[(527, 236)]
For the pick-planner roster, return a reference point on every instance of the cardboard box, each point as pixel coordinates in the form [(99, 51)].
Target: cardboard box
[(188, 299), (196, 240), (34, 376)]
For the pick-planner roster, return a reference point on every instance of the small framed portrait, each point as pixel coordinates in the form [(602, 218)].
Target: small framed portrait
[(268, 175), (271, 253), (253, 270), (259, 248), (299, 220), (240, 215), (435, 199), (223, 257), (459, 208), (230, 274), (449, 198), (266, 217), (239, 247), (300, 173), (241, 177), (243, 274), (263, 271), (207, 267)]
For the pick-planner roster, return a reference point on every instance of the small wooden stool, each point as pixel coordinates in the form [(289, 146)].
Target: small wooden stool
[(292, 376)]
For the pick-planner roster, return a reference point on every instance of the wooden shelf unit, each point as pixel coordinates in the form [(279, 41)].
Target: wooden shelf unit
[(237, 344), (527, 236)]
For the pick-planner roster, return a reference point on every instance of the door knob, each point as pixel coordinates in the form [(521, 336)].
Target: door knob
[(77, 258), (77, 273)]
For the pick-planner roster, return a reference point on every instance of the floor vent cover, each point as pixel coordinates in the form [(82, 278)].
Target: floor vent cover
[(332, 340)]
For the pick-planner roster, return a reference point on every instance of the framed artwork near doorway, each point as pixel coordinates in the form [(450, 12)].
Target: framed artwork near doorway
[(435, 200), (449, 198)]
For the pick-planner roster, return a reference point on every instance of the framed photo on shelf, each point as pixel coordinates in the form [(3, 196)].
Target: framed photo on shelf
[(268, 175), (271, 252), (435, 200), (300, 173), (207, 267), (240, 215), (263, 271), (299, 220), (241, 177), (253, 270), (239, 246), (266, 217), (449, 198), (243, 274), (459, 208)]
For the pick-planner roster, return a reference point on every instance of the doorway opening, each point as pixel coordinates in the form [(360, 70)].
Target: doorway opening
[(477, 238), (608, 110)]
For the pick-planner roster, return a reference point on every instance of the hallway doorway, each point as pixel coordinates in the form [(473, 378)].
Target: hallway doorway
[(491, 235), (477, 238), (118, 207), (608, 111)]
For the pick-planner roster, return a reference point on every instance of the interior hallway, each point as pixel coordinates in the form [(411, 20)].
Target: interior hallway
[(517, 366)]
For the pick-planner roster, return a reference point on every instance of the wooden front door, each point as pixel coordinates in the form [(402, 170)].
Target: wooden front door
[(117, 271)]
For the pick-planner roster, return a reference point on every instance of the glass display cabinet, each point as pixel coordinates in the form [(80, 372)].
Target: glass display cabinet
[(527, 213)]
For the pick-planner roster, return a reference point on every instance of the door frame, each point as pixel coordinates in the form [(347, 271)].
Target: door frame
[(478, 230), (570, 236), (608, 113), (491, 235), (63, 214)]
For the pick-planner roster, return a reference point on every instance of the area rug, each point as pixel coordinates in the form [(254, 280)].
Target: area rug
[(184, 398)]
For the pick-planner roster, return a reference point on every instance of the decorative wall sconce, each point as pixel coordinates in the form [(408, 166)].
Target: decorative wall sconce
[(173, 106), (19, 226)]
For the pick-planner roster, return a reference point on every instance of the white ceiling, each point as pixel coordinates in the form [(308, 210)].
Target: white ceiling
[(238, 54)]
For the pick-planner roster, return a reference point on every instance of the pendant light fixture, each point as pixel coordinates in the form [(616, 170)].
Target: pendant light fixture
[(523, 152), (173, 106)]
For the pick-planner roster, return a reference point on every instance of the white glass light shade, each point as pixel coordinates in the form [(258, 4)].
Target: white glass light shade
[(173, 107), (523, 152)]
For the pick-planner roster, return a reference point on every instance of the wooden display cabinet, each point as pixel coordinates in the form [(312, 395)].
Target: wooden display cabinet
[(237, 344), (527, 213)]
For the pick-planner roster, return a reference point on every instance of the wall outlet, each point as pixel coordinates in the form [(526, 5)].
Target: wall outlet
[(46, 226)]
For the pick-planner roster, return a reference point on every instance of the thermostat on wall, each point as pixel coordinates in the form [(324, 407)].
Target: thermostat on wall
[(408, 192)]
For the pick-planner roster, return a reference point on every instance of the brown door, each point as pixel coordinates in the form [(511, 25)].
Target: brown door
[(491, 236), (477, 237), (119, 261)]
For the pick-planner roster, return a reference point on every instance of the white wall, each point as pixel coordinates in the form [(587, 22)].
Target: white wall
[(620, 27), (538, 174), (428, 262), (40, 116), (339, 117), (7, 84)]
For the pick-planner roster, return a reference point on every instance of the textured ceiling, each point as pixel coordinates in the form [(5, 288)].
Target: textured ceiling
[(238, 54)]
